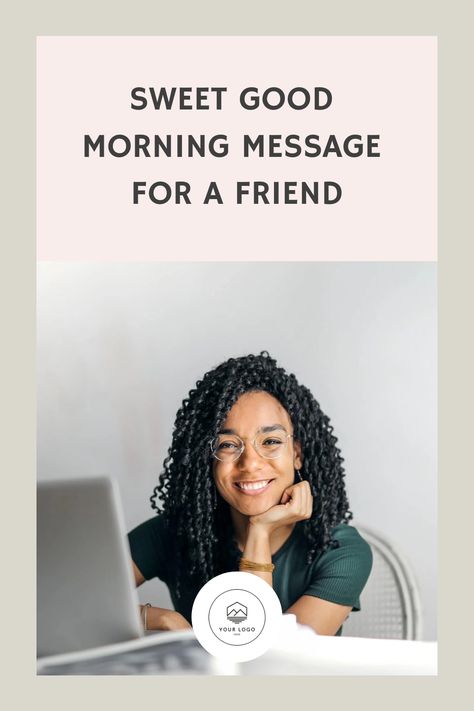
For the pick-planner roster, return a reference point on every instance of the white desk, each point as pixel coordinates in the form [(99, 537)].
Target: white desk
[(298, 651)]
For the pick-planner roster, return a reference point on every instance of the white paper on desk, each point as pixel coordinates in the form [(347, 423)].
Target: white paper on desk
[(299, 650)]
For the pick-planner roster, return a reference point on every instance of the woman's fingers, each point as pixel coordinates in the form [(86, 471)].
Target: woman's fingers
[(298, 498), (296, 504)]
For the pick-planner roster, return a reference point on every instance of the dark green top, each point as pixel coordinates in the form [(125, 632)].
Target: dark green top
[(338, 574)]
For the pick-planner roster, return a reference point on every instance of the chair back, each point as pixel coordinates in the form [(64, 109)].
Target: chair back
[(390, 602)]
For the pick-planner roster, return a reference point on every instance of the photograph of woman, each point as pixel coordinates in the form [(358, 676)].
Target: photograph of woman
[(253, 481)]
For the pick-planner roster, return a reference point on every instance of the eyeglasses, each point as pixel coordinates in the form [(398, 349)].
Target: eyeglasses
[(270, 445)]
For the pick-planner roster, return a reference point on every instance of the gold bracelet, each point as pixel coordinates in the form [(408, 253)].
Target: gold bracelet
[(145, 615), (246, 564)]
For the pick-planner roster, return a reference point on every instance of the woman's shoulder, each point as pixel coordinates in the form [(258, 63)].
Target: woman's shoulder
[(346, 534), (349, 544), (340, 572), (151, 546), (153, 526), (152, 535)]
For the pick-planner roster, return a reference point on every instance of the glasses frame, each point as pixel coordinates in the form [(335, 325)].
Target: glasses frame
[(288, 436)]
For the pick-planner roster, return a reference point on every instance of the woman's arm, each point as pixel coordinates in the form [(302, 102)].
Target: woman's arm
[(323, 616), (297, 504), (159, 618), (257, 549), (139, 578)]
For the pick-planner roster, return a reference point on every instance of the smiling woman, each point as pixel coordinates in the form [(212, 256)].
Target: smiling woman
[(253, 481)]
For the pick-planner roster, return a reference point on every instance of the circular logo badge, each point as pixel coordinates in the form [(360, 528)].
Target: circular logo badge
[(236, 616), (236, 628)]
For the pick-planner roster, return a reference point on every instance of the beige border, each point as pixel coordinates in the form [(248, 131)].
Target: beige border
[(24, 22)]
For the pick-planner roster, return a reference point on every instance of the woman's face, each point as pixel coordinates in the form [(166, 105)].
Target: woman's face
[(253, 484)]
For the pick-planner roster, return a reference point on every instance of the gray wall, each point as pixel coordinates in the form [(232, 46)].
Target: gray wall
[(120, 345)]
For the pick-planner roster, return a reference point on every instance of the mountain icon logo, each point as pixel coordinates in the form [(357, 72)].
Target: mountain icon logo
[(237, 612)]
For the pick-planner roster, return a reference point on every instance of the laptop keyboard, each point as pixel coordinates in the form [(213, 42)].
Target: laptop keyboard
[(178, 657)]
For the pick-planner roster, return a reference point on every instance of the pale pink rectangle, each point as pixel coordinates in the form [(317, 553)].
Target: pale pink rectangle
[(379, 85)]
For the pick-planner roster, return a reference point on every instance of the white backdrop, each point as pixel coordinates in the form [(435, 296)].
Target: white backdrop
[(121, 344)]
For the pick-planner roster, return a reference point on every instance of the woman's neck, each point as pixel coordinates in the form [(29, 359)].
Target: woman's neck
[(240, 523)]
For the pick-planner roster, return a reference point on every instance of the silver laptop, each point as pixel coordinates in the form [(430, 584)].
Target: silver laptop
[(86, 591), (88, 619)]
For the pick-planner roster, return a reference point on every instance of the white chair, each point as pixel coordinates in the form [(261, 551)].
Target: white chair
[(390, 601)]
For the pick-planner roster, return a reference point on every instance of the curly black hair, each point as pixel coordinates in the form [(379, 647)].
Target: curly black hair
[(196, 514)]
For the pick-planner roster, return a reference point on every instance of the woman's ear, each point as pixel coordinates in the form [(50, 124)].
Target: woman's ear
[(297, 458)]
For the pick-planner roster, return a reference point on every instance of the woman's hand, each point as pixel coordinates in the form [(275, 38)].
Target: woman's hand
[(158, 618), (296, 505)]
